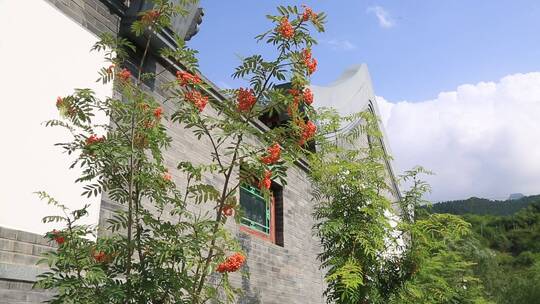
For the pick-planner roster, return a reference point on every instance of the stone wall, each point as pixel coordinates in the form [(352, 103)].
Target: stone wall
[(19, 252), (93, 15)]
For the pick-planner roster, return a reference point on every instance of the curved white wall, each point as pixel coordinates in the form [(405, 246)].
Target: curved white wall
[(43, 54)]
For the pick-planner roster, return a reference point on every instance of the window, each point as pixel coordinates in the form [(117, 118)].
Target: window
[(256, 209), (262, 216)]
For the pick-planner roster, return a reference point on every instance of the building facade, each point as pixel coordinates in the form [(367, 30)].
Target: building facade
[(280, 245)]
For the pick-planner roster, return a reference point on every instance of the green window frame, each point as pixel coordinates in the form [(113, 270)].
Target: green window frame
[(256, 208)]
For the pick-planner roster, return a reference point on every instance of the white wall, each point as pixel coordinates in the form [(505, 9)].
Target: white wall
[(43, 54)]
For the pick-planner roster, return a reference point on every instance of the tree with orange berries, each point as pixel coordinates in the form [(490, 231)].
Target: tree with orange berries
[(147, 257)]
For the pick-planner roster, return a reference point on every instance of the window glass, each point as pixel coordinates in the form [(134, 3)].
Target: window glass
[(256, 209)]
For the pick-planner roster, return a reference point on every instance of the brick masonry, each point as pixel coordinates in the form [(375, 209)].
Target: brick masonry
[(19, 252), (287, 274)]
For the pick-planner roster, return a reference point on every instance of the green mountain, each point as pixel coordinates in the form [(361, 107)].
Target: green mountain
[(508, 255), (515, 196), (504, 246), (482, 206)]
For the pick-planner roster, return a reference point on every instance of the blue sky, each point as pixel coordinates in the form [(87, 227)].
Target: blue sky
[(427, 47)]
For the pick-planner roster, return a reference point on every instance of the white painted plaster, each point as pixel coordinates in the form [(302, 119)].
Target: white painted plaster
[(43, 54)]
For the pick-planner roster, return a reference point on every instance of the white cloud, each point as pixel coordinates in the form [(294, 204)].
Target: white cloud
[(341, 45), (480, 140), (384, 18)]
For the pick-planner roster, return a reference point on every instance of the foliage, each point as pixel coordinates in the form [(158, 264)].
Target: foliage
[(507, 250), (510, 269), (439, 257), (370, 252), (349, 188), (482, 206), (156, 249), (513, 234), (440, 263)]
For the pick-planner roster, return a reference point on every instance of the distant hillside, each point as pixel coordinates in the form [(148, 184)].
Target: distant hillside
[(515, 196), (482, 206)]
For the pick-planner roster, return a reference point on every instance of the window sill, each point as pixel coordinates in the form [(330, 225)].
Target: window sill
[(259, 234)]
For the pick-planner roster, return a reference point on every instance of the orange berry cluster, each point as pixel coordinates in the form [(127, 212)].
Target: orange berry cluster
[(228, 210), (285, 28), (273, 155), (308, 96), (308, 131), (185, 78), (232, 263), (309, 62), (192, 95), (296, 101), (266, 182), (158, 112), (93, 139), (196, 98), (57, 237), (308, 14), (246, 99), (124, 75), (100, 256)]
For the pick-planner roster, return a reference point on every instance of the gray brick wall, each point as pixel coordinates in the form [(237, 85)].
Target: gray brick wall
[(277, 274), (19, 252), (91, 14)]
